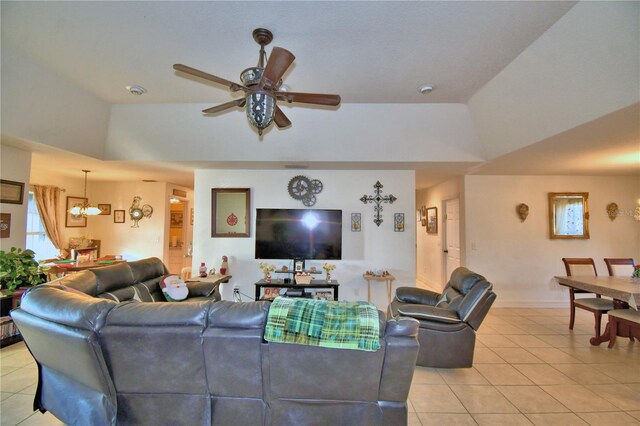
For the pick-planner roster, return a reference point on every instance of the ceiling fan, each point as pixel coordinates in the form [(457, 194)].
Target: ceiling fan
[(261, 85)]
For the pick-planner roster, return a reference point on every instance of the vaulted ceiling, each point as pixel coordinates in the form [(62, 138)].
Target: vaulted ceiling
[(374, 54)]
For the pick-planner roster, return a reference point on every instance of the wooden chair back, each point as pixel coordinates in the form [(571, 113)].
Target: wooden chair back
[(584, 266), (619, 266)]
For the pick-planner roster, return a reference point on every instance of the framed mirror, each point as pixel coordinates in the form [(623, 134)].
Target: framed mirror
[(230, 214), (568, 215)]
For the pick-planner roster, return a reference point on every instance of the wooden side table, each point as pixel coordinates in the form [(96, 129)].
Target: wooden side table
[(387, 278)]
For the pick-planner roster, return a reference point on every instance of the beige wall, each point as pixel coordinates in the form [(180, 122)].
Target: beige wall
[(15, 166), (519, 257), (430, 257)]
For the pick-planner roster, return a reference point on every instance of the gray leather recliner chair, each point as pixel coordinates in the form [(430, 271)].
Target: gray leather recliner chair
[(448, 321)]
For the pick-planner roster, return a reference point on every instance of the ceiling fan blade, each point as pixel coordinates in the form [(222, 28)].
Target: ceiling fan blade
[(278, 63), (192, 71), (222, 107), (309, 98), (280, 119)]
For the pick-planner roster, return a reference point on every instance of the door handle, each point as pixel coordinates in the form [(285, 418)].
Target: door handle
[(446, 251)]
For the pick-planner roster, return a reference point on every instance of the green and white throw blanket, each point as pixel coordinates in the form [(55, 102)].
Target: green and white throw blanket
[(326, 323)]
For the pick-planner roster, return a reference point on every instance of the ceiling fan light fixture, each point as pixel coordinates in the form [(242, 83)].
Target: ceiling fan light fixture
[(260, 109)]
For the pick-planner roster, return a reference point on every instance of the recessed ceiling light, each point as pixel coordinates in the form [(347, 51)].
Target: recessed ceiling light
[(426, 88), (136, 90)]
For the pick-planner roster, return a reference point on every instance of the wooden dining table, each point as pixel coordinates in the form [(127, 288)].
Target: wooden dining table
[(75, 267), (625, 292)]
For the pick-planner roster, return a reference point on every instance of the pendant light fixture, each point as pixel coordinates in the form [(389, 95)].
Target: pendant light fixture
[(85, 209)]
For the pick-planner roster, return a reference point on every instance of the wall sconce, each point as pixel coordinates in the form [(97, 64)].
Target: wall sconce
[(612, 211), (523, 211), (636, 215)]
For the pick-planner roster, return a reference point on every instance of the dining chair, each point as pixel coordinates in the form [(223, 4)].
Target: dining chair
[(584, 266), (621, 267)]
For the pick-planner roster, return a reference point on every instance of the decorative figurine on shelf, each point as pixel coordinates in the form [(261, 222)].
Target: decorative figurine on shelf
[(266, 270), (328, 267), (224, 267), (203, 270)]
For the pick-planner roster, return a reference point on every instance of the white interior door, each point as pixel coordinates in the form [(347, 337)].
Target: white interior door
[(452, 236)]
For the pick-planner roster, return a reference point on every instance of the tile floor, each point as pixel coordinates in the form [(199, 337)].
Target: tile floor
[(529, 369)]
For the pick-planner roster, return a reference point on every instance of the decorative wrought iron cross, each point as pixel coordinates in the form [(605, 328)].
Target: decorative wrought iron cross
[(377, 199)]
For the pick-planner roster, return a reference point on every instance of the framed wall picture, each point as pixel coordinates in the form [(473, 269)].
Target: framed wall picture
[(118, 216), (105, 209), (230, 212), (73, 221), (5, 225), (177, 219), (11, 192), (298, 265), (432, 220), (398, 222), (356, 222)]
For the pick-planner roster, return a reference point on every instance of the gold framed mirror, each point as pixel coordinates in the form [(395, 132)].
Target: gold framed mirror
[(568, 215), (230, 212)]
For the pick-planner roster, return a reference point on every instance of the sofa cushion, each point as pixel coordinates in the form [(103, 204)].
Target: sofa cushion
[(463, 279), (113, 277), (84, 281), (147, 269)]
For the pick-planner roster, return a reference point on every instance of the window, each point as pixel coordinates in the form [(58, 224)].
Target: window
[(37, 239)]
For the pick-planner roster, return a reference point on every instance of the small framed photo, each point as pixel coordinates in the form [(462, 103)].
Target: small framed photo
[(271, 293), (298, 265), (432, 220), (105, 209), (398, 222), (5, 225), (11, 192), (118, 216), (73, 221), (176, 219), (356, 222)]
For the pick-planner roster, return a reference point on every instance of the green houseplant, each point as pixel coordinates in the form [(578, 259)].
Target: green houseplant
[(17, 268)]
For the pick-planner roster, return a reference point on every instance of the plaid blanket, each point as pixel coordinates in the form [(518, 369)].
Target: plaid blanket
[(326, 323)]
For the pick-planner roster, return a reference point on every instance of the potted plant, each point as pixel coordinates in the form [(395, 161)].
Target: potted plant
[(17, 268)]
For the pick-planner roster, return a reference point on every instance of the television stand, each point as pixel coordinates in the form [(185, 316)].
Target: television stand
[(315, 284)]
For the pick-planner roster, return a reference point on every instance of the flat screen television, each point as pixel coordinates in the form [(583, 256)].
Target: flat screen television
[(298, 234)]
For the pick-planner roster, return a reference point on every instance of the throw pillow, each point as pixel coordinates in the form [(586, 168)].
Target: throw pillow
[(173, 288)]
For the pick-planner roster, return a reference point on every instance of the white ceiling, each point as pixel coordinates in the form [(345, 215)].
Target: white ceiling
[(368, 52)]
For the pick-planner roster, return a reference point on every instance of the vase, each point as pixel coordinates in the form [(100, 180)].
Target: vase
[(328, 277), (267, 277)]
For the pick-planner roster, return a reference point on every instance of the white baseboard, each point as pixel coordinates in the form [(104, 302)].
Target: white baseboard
[(501, 303)]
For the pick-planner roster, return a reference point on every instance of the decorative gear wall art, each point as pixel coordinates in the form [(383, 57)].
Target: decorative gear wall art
[(304, 189)]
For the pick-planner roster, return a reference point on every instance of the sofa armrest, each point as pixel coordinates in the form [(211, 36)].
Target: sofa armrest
[(429, 313), (417, 295), (401, 352)]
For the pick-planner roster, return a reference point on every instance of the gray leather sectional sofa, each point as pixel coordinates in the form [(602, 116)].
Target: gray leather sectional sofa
[(103, 362)]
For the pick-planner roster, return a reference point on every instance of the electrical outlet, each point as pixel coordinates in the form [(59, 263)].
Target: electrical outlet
[(236, 287)]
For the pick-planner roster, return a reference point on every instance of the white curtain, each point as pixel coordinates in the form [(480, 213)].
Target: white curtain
[(569, 216), (47, 200)]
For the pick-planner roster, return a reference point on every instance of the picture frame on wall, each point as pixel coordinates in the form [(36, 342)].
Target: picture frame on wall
[(73, 221), (5, 225), (11, 192), (177, 219), (432, 220), (298, 265), (118, 216), (105, 209)]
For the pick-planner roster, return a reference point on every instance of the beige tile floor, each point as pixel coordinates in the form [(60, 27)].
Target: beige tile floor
[(529, 369)]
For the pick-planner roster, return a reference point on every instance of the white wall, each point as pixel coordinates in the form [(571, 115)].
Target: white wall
[(15, 166), (374, 247), (430, 257), (519, 257)]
